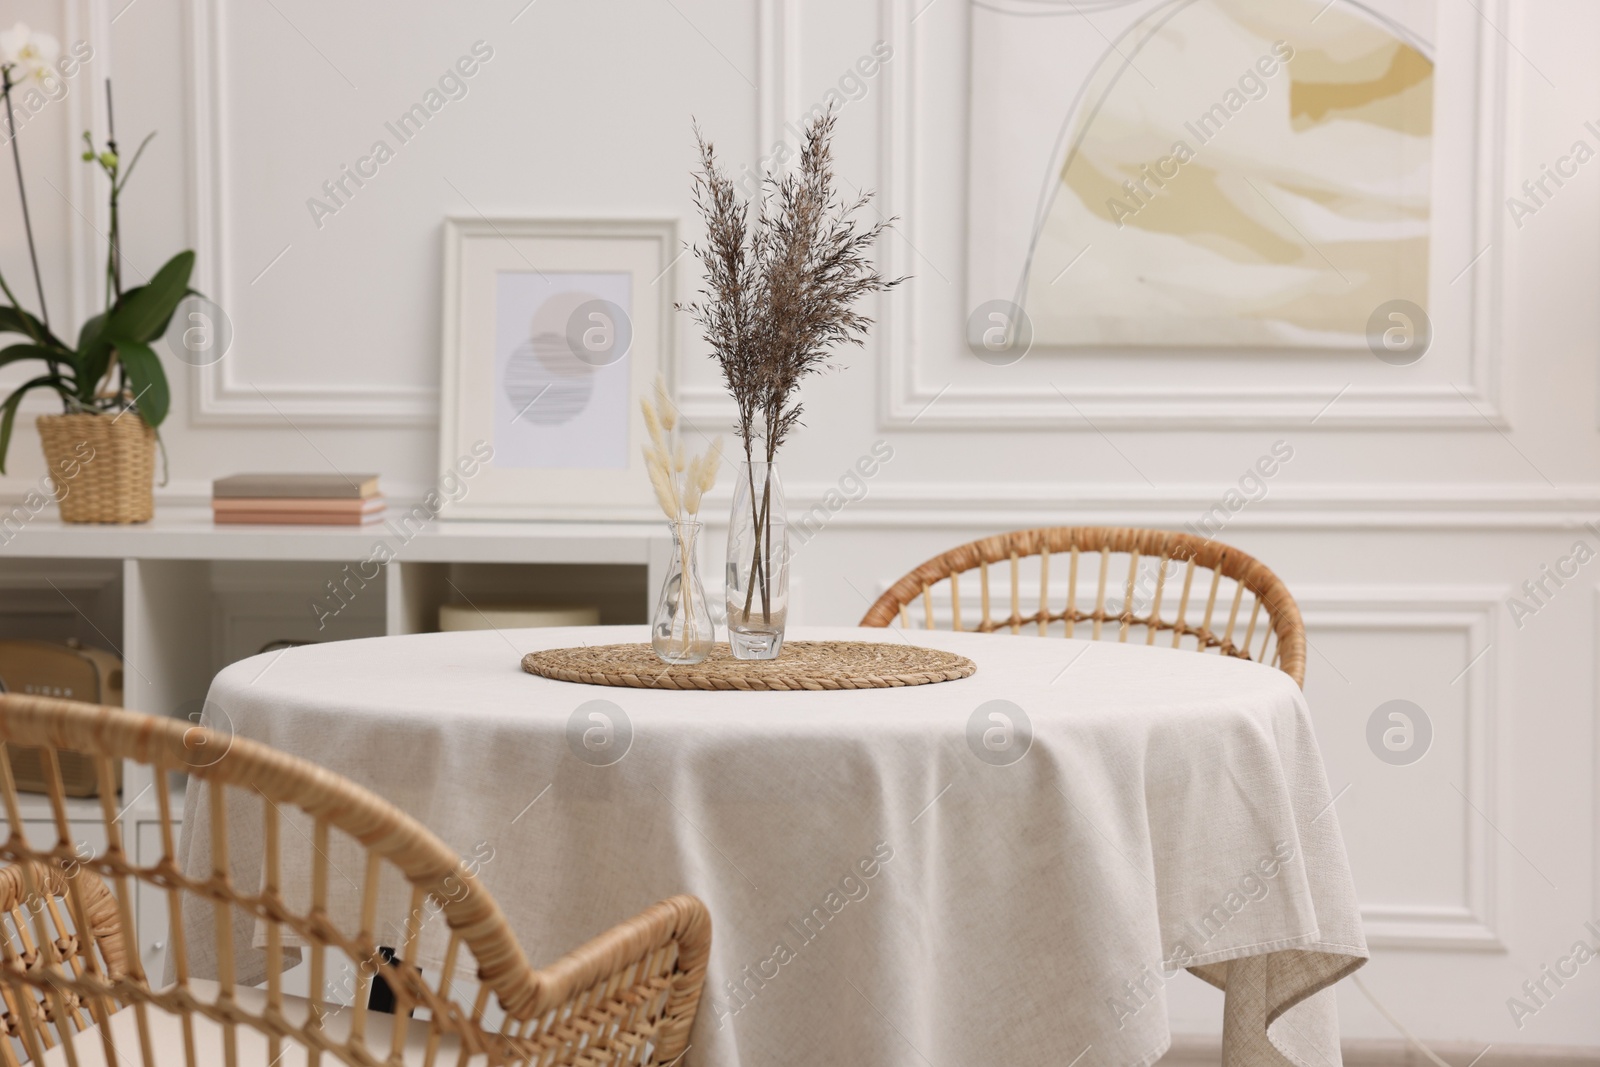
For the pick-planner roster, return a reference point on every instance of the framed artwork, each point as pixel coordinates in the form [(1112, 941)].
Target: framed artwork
[(553, 330), (1252, 174)]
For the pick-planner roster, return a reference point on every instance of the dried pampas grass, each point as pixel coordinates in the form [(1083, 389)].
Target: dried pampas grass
[(780, 290), (779, 299)]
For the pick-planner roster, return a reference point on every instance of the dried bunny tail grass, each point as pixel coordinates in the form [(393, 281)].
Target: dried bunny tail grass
[(702, 476), (691, 487), (652, 422), (679, 463), (667, 410), (661, 480), (710, 465)]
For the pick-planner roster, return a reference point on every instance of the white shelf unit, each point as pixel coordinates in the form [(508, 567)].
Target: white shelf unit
[(179, 598)]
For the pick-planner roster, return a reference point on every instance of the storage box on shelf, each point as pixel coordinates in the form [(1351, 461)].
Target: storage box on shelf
[(180, 598)]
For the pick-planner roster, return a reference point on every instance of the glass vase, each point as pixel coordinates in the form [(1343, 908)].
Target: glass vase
[(758, 564), (683, 631)]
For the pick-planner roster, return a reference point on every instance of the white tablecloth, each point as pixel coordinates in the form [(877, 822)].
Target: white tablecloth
[(880, 894)]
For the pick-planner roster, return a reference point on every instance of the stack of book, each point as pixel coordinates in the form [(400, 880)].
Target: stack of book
[(313, 499)]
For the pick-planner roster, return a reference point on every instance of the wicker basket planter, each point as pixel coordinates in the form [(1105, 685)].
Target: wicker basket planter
[(103, 466)]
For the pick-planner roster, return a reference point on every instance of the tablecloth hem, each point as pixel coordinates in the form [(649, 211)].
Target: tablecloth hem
[(1334, 978), (1259, 948), (1318, 970), (1151, 1057)]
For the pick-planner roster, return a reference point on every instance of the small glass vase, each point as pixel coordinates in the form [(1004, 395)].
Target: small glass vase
[(683, 631), (758, 564)]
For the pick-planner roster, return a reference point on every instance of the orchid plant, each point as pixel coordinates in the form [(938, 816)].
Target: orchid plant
[(112, 366)]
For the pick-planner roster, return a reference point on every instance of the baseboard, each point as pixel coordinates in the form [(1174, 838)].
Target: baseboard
[(1202, 1051)]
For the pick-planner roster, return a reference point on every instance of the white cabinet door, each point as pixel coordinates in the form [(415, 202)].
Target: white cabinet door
[(88, 838), (150, 902)]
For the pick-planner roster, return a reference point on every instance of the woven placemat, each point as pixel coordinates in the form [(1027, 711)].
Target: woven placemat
[(815, 665)]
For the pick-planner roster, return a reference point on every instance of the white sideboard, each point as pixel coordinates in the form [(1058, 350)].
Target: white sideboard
[(180, 598)]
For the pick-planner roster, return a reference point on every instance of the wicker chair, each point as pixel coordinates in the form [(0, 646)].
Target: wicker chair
[(627, 997), (1155, 559), (35, 899)]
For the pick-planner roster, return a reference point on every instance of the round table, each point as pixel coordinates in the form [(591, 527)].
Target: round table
[(1005, 868)]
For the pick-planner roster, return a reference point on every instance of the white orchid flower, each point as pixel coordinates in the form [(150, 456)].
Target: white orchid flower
[(28, 54)]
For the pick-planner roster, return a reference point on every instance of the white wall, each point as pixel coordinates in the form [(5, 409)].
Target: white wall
[(1412, 508)]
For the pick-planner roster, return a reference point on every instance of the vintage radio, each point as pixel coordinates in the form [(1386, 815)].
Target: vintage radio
[(69, 672)]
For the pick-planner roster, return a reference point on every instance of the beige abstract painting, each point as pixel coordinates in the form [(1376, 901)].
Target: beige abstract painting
[(1243, 173)]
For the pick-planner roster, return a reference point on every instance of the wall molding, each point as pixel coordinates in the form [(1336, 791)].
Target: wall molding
[(778, 73), (1474, 611), (907, 398), (217, 396), (1477, 613), (778, 59), (997, 505), (1195, 1050), (87, 20), (991, 506), (1594, 775)]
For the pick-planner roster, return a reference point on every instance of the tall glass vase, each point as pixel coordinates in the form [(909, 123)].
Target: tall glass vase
[(683, 631), (758, 564)]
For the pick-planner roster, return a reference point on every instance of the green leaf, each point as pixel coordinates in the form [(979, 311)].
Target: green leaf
[(93, 355), (93, 329), (9, 419), (89, 378), (152, 398), (32, 351), (142, 314), (16, 320)]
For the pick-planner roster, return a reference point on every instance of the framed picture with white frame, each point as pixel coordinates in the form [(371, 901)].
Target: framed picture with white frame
[(552, 331)]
